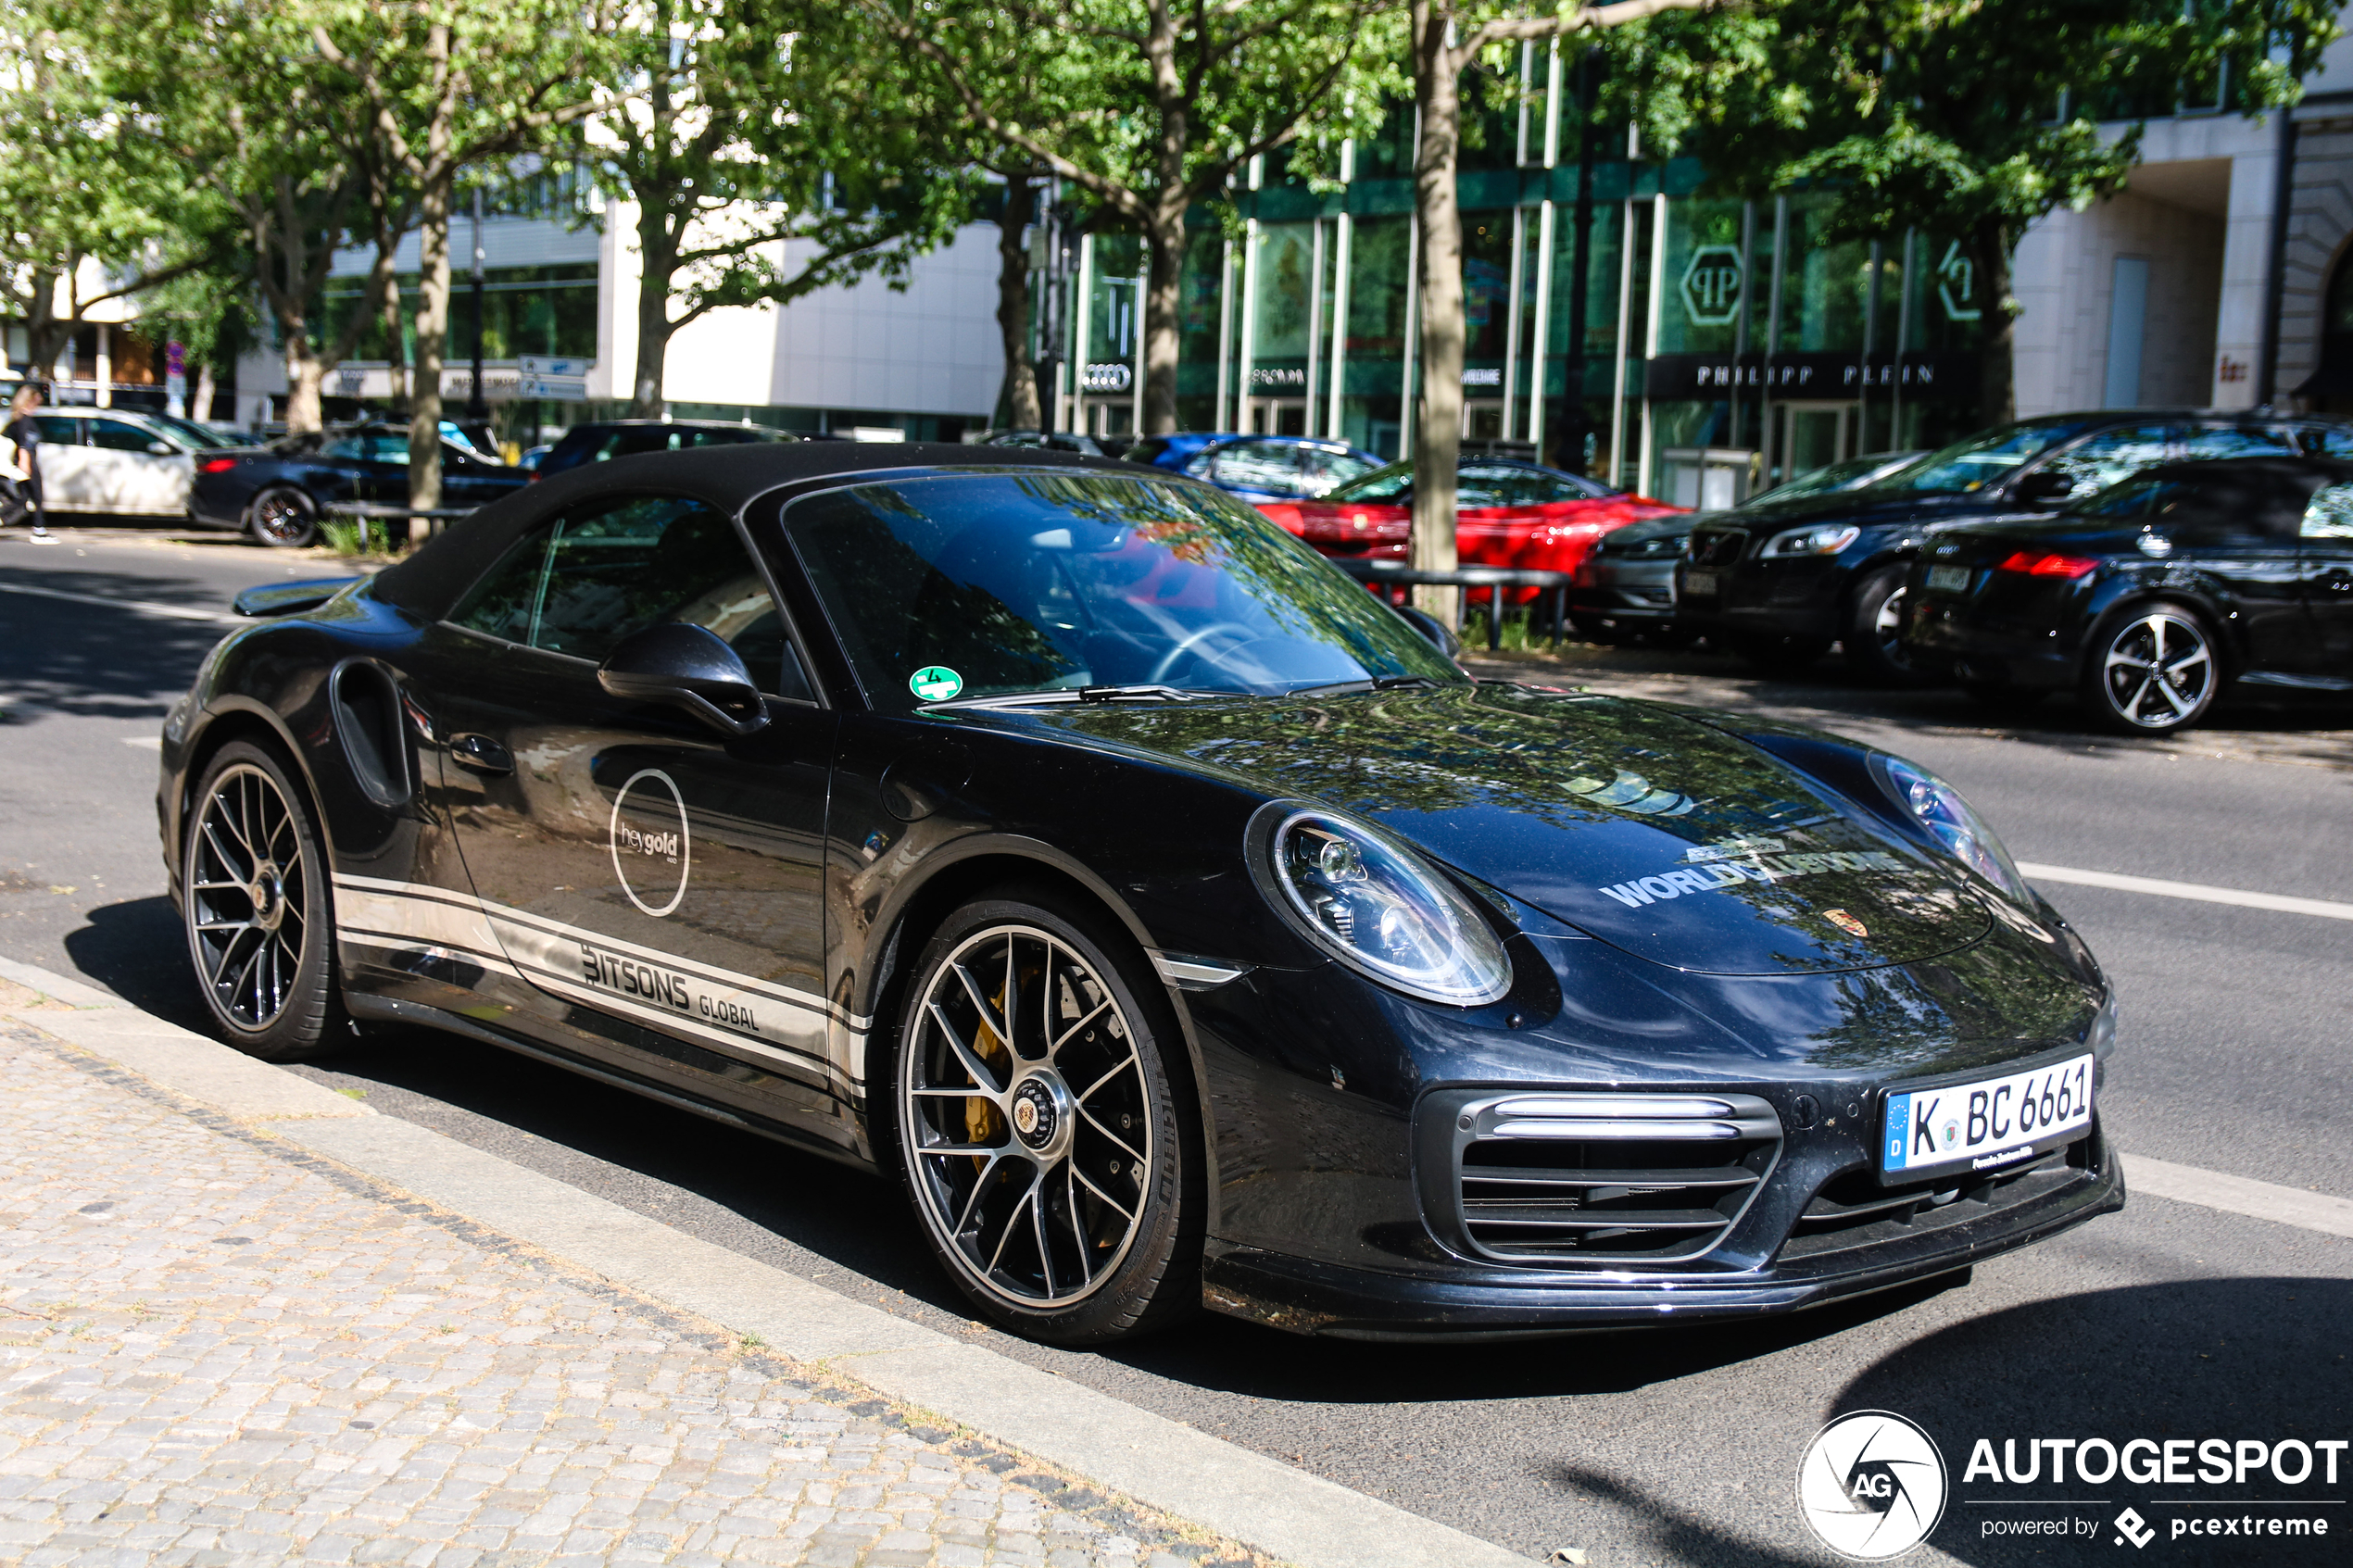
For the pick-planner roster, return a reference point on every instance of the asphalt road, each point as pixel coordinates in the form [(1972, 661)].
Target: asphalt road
[(2167, 1321)]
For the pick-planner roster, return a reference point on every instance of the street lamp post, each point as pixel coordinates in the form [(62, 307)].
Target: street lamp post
[(477, 408)]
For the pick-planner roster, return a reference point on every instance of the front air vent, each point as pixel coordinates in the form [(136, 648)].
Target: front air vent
[(1570, 1177)]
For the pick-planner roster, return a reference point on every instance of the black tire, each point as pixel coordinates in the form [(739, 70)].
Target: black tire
[(1873, 634), (2151, 671), (1772, 651), (255, 901), (1597, 629), (1071, 1267), (2002, 698), (282, 518)]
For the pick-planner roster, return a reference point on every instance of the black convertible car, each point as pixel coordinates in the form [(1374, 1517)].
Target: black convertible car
[(278, 493), (2152, 596), (1171, 919)]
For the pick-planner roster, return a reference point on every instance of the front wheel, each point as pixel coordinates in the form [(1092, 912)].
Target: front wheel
[(1873, 637), (282, 518), (2152, 672), (254, 898), (1036, 1094)]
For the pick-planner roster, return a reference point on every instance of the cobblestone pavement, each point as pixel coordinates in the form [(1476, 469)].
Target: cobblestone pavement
[(216, 1350)]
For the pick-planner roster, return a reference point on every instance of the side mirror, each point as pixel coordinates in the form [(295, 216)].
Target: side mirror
[(1436, 632), (162, 449), (686, 667), (2047, 489)]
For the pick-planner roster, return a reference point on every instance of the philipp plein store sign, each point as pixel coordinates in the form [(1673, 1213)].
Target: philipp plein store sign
[(1834, 376)]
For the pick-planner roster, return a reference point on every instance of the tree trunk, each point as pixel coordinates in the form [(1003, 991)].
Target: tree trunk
[(306, 373), (200, 405), (1997, 388), (396, 354), (1437, 419), (1020, 397), (1164, 251), (433, 335), (659, 251)]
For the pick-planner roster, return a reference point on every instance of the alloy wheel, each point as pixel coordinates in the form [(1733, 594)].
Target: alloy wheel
[(2159, 670), (1027, 1116), (280, 517), (248, 897)]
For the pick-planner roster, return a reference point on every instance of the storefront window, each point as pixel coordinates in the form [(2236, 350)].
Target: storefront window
[(1704, 268)]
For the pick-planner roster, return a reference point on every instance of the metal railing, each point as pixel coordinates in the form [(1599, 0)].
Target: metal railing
[(392, 511), (1387, 574)]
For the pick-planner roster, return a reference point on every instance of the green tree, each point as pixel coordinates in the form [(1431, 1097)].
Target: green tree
[(1149, 108), (1968, 118), (772, 148), (451, 84), (1447, 38)]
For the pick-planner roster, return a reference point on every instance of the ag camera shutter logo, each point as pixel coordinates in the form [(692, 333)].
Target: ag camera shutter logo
[(1872, 1486)]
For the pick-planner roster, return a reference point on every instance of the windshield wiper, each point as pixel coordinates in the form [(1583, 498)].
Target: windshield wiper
[(1367, 683), (1066, 694)]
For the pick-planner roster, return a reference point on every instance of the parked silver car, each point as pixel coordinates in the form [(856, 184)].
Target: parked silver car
[(1626, 587), (128, 462)]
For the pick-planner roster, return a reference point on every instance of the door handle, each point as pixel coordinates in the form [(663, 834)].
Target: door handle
[(479, 753)]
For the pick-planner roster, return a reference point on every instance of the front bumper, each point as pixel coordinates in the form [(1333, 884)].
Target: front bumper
[(1787, 598), (1307, 1296), (1631, 591)]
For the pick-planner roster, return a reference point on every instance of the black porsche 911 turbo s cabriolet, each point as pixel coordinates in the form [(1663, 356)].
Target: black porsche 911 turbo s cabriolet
[(1174, 923)]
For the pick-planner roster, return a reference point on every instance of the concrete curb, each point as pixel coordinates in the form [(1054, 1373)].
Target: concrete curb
[(1159, 1463)]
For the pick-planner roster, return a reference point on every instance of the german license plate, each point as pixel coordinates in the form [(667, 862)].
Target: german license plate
[(1984, 1124), (1949, 579), (1699, 583)]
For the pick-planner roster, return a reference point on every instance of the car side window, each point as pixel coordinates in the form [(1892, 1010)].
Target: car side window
[(2098, 461), (2334, 441), (1258, 465), (2330, 513), (59, 430), (2237, 441), (350, 447), (115, 436), (584, 582), (1499, 484), (385, 448)]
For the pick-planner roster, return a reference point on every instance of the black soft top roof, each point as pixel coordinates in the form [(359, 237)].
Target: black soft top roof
[(430, 583)]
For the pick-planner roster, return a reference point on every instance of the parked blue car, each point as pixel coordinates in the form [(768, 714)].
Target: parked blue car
[(1258, 467)]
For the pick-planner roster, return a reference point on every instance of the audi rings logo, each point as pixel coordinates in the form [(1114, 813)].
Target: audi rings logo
[(1871, 1485), (650, 847)]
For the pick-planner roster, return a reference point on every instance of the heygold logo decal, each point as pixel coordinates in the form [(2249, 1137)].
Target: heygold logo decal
[(651, 851)]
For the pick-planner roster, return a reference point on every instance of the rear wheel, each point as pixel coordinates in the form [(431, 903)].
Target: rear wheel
[(282, 518), (1036, 1098), (1873, 639), (253, 897), (2151, 673), (1772, 651)]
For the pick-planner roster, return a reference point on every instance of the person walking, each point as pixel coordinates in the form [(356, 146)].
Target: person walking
[(25, 431)]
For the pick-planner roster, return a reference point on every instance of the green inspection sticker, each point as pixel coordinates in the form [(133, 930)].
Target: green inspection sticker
[(935, 682)]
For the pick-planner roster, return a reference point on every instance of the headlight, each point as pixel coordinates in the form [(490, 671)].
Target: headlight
[(1826, 539), (1372, 904), (1938, 807)]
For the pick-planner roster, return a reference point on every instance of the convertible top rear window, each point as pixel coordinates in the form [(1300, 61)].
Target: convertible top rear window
[(1041, 582)]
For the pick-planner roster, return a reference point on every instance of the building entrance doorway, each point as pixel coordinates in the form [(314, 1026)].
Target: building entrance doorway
[(1811, 436)]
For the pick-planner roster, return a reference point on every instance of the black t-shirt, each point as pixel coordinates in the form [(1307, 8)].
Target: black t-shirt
[(25, 431)]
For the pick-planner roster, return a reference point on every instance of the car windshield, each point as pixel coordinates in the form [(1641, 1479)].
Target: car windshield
[(1823, 481), (1391, 484), (958, 586), (192, 432), (1983, 460)]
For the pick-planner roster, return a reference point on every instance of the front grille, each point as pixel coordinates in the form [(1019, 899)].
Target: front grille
[(1716, 546), (1852, 1210), (1569, 1177)]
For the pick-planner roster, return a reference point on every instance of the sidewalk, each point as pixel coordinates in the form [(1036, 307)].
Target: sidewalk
[(217, 1348)]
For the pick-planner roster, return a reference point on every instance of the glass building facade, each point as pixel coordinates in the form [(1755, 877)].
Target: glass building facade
[(1619, 322)]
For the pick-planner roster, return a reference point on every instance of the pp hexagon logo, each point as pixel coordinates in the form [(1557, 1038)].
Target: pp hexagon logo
[(1712, 284)]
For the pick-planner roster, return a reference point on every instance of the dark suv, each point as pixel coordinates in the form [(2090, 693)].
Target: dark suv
[(1778, 583)]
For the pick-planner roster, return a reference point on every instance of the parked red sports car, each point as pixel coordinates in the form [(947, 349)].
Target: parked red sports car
[(1508, 513)]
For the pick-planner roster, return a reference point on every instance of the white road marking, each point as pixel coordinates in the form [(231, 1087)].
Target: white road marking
[(2324, 908), (137, 607), (144, 742), (2238, 1194)]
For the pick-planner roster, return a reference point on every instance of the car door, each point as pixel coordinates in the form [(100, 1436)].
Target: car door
[(2325, 569), (136, 472), (67, 482), (2231, 534), (658, 883)]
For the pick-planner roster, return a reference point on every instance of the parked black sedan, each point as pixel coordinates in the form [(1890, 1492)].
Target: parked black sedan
[(1781, 587), (2149, 599), (278, 493), (606, 440), (1177, 925)]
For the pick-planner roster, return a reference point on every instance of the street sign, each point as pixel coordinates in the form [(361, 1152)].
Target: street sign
[(552, 379)]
